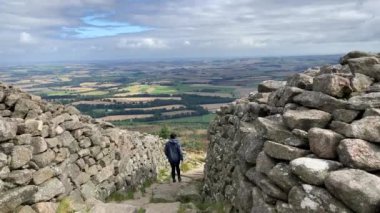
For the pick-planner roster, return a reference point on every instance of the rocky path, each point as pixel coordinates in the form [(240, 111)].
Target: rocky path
[(159, 197)]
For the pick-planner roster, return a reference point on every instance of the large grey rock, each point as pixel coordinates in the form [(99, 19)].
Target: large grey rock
[(362, 102), (33, 127), (8, 130), (356, 188), (301, 80), (272, 130), (313, 171), (15, 197), (189, 193), (23, 106), (244, 197), (308, 198), (42, 175), (283, 152), (306, 119), (361, 83), (320, 101), (266, 185), (359, 154), (282, 176), (48, 190), (354, 54), (25, 209), (21, 155), (66, 139), (333, 85), (371, 112), (46, 207), (44, 159), (282, 96), (39, 145), (20, 177), (324, 142), (270, 85), (345, 115), (104, 174), (264, 163), (258, 203), (366, 128), (369, 66)]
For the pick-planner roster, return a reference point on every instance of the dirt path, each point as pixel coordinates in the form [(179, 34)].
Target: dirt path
[(159, 197), (165, 197)]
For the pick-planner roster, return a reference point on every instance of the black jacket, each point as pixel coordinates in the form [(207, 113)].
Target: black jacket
[(173, 151)]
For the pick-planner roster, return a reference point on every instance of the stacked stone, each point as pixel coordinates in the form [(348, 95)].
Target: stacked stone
[(49, 152), (310, 144)]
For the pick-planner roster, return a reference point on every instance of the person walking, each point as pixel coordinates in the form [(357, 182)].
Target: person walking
[(174, 154)]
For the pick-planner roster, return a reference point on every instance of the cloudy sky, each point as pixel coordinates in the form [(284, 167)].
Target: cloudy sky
[(56, 30)]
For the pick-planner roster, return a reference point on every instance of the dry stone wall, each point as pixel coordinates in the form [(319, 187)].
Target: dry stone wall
[(308, 144), (49, 152)]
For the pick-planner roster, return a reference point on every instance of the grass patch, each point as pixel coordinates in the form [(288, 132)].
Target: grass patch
[(121, 196), (65, 206), (141, 210), (163, 175)]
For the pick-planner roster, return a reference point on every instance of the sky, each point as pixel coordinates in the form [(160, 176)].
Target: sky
[(78, 30)]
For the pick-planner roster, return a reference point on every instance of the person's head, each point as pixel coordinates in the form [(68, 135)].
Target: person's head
[(173, 136)]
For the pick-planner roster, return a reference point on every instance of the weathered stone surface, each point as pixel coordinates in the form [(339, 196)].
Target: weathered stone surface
[(356, 188), (313, 171), (264, 163), (371, 112), (33, 127), (266, 185), (46, 207), (48, 190), (81, 178), (369, 66), (270, 85), (362, 102), (24, 139), (21, 155), (333, 85), (23, 106), (301, 80), (104, 174), (361, 83), (15, 197), (283, 152), (25, 209), (324, 142), (42, 175), (282, 176), (66, 139), (273, 130), (306, 119), (320, 101), (39, 145), (8, 130), (20, 177), (366, 128), (354, 54), (359, 154), (282, 96), (345, 115), (308, 198), (258, 203), (189, 193), (44, 159)]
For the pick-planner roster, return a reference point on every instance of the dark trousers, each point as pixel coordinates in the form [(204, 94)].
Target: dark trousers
[(175, 167)]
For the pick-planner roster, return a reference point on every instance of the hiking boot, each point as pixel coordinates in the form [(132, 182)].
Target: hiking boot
[(175, 181), (179, 179)]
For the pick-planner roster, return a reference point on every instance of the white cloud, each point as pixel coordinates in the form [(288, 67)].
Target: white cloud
[(27, 38), (150, 43), (187, 43)]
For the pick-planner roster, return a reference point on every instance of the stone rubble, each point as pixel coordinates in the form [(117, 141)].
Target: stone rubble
[(49, 152), (311, 146)]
